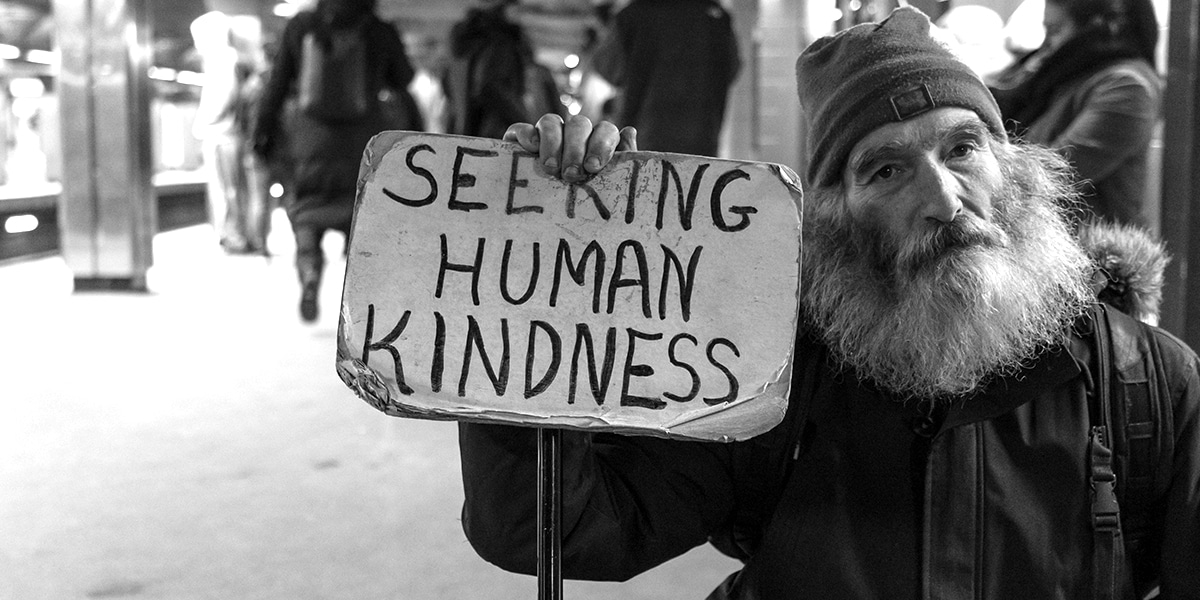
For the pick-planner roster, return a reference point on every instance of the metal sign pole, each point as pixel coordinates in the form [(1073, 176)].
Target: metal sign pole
[(549, 519)]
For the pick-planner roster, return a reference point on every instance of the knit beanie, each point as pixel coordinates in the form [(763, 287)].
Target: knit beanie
[(872, 74)]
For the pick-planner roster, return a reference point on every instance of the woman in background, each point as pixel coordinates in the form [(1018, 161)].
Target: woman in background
[(1092, 93)]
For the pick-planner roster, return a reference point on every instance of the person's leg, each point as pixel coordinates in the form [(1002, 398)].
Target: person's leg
[(310, 262), (257, 203), (214, 188), (228, 167)]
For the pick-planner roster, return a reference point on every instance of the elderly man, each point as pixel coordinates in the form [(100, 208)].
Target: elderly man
[(943, 438)]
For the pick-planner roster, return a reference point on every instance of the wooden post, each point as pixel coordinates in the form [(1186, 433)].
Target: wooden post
[(549, 521)]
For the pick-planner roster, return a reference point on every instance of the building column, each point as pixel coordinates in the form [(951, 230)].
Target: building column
[(107, 206), (1181, 173)]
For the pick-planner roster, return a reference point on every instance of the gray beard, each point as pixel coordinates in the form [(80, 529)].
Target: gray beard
[(937, 317)]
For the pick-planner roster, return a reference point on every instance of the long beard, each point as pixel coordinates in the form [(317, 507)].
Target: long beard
[(939, 316)]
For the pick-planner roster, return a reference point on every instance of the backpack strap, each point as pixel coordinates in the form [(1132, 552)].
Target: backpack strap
[(1140, 440), (1130, 409), (1108, 558)]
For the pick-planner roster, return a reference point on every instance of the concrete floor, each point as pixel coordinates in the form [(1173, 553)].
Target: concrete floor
[(195, 442)]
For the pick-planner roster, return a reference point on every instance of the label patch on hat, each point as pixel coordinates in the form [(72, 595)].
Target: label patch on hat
[(912, 102)]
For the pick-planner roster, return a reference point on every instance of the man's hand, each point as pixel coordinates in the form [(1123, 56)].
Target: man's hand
[(574, 150)]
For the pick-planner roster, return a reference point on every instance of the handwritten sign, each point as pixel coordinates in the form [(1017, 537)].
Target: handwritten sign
[(658, 297)]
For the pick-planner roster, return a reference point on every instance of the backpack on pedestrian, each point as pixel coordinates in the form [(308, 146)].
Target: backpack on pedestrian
[(332, 83)]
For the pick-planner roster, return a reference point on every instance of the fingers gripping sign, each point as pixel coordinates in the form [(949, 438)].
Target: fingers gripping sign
[(575, 149)]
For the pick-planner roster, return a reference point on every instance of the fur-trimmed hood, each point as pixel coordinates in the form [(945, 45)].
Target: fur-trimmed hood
[(1129, 267)]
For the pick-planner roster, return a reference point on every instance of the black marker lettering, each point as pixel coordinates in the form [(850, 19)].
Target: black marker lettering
[(573, 192), (386, 344), (599, 381), (533, 276), (473, 269), (555, 358), (464, 180), (629, 200), (733, 382), (513, 184), (563, 257), (638, 370), (642, 279), (475, 340), (424, 173), (715, 202), (685, 207), (691, 395), (686, 282)]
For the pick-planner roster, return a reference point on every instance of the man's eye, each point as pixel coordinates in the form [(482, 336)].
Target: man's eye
[(962, 150)]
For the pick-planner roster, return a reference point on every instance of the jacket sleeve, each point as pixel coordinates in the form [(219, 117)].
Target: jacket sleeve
[(1115, 122), (1180, 577), (630, 503)]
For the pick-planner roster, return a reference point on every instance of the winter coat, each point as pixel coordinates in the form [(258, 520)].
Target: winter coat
[(326, 155), (673, 61), (485, 84), (1098, 110), (987, 498)]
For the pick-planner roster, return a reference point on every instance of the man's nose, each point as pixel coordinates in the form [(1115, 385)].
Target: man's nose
[(938, 191)]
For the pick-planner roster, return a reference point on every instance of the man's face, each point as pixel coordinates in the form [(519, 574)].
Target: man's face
[(906, 180), (944, 258)]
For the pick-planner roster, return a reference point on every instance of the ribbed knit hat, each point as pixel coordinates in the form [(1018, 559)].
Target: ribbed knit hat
[(872, 74)]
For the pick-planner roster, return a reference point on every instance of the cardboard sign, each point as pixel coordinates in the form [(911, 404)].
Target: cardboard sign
[(658, 297)]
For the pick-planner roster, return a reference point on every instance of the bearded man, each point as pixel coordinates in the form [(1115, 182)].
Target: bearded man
[(940, 440)]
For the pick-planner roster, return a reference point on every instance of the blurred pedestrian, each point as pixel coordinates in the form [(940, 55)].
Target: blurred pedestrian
[(250, 212), (485, 83), (673, 62), (1091, 92), (235, 209), (347, 68)]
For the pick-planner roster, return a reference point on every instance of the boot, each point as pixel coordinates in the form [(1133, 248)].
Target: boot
[(310, 286), (309, 311)]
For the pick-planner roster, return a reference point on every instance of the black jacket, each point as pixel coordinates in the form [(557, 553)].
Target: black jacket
[(987, 499)]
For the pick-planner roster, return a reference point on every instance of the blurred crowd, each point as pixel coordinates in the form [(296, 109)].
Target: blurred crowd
[(1079, 76)]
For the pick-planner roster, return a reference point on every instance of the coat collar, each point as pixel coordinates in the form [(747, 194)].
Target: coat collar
[(1054, 368)]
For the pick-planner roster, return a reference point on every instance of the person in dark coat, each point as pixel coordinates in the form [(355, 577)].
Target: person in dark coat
[(1092, 93), (326, 147), (485, 83), (944, 436), (673, 62)]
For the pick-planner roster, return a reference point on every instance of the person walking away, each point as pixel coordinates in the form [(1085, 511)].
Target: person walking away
[(485, 82), (339, 58), (1091, 92), (673, 62)]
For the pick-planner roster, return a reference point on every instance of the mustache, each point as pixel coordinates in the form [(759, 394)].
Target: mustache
[(964, 233)]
